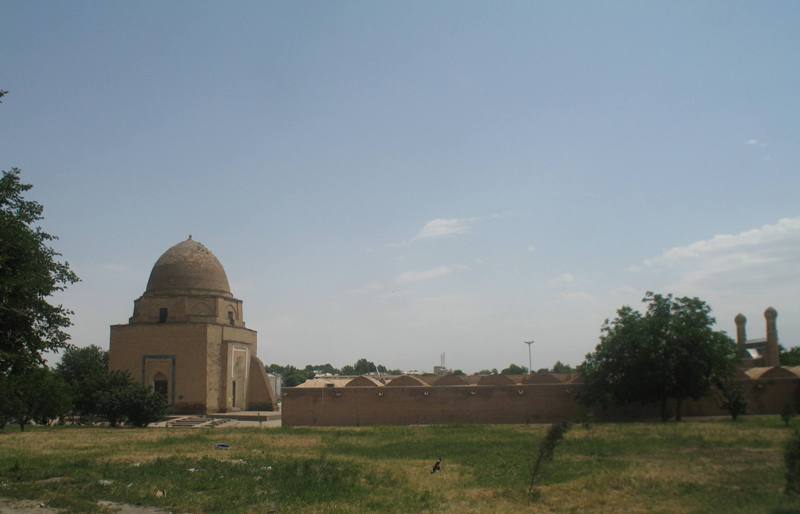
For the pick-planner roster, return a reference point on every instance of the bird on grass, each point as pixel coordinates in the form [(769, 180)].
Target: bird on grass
[(437, 466)]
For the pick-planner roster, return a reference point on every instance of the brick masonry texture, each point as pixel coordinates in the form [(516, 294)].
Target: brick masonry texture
[(520, 403)]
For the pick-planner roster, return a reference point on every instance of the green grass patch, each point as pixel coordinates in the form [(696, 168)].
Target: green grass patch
[(714, 466)]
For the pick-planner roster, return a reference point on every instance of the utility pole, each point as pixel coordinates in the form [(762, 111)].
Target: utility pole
[(529, 343)]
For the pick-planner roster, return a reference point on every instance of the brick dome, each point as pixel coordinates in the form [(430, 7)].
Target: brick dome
[(186, 268)]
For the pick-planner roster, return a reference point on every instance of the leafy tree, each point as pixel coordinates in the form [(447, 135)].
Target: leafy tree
[(364, 367), (513, 369), (293, 376), (348, 370), (85, 370), (275, 369), (290, 375), (113, 395), (34, 394), (458, 373), (30, 273), (790, 357), (669, 352), (560, 367), (110, 401)]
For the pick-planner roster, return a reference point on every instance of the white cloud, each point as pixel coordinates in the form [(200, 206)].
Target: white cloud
[(443, 227), (755, 268), (562, 280), (740, 272), (757, 246), (419, 276)]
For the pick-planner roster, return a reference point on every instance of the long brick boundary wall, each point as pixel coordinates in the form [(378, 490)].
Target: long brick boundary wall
[(518, 403)]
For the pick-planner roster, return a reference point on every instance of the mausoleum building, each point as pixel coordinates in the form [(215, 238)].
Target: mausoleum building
[(187, 337)]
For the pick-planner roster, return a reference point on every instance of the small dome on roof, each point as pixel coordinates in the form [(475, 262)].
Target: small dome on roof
[(771, 312), (188, 267)]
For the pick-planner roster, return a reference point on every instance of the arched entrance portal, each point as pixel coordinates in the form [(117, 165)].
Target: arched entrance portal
[(161, 385)]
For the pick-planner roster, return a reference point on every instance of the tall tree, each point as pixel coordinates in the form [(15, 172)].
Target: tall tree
[(85, 370), (30, 272), (670, 351)]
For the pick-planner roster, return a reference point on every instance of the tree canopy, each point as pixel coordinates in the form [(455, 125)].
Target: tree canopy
[(37, 395), (790, 357), (670, 351), (514, 369), (85, 371), (98, 392), (560, 367), (30, 273)]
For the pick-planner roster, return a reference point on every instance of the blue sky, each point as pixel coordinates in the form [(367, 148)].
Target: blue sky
[(399, 179)]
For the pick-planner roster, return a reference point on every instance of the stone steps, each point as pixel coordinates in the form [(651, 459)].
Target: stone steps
[(195, 422)]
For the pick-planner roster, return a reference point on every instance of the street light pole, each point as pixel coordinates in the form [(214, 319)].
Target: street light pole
[(529, 343)]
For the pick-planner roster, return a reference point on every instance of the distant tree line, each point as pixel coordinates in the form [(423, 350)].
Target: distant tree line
[(293, 376), (514, 369)]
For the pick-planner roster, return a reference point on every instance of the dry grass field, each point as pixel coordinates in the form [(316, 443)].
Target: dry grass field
[(693, 466)]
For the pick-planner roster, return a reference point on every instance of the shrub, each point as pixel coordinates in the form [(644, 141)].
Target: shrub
[(143, 405), (125, 400)]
